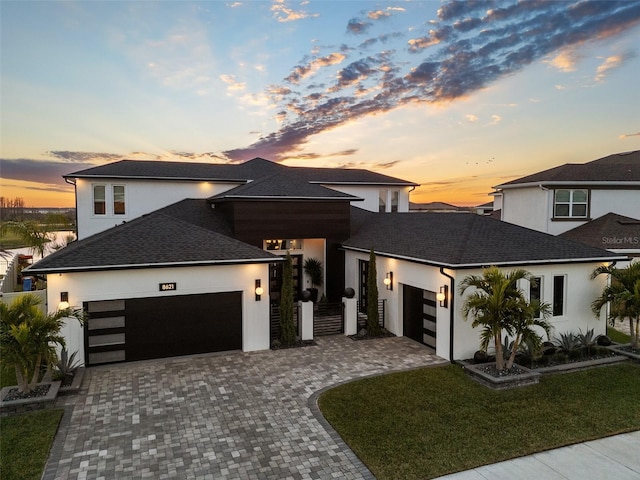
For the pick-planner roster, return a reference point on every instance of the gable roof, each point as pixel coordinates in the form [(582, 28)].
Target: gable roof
[(463, 241), (280, 187), (159, 239), (611, 232), (240, 172), (619, 168)]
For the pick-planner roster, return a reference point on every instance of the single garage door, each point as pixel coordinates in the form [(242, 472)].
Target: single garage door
[(158, 327), (419, 315)]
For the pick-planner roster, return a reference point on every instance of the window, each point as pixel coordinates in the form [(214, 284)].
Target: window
[(382, 201), (118, 200), (285, 244), (535, 292), (394, 200), (99, 200), (571, 204), (558, 295)]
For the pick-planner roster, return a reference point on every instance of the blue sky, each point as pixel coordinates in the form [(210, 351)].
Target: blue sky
[(456, 96)]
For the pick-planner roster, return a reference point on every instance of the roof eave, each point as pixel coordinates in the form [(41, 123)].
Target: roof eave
[(487, 264), (283, 198), (585, 183), (156, 177), (137, 266), (386, 184)]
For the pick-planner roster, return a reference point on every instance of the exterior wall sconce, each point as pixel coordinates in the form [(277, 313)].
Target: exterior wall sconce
[(388, 281), (259, 290), (443, 296), (64, 301)]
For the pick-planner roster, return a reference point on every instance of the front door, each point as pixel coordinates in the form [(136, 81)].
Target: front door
[(419, 315)]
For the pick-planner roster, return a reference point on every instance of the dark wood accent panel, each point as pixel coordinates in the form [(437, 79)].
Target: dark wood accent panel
[(169, 326), (253, 222)]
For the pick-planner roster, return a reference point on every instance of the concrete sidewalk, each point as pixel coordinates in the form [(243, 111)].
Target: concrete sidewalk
[(612, 458)]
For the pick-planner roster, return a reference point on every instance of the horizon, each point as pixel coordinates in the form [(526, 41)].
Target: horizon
[(455, 96)]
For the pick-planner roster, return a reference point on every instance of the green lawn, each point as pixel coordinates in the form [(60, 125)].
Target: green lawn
[(26, 441), (434, 421), (618, 337)]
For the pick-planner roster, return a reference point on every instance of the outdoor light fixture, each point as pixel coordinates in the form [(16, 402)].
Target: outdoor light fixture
[(64, 301), (443, 296), (259, 290), (388, 281)]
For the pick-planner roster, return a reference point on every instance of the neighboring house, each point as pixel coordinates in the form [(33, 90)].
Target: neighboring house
[(436, 207), (161, 275), (613, 232), (565, 197), (485, 209)]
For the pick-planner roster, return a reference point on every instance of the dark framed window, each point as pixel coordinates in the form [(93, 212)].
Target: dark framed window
[(395, 196), (535, 292), (571, 203), (558, 295), (99, 200), (118, 200)]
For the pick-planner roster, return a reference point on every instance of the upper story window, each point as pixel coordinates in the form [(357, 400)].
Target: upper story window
[(99, 200), (571, 203), (382, 201), (284, 244), (395, 195), (118, 200)]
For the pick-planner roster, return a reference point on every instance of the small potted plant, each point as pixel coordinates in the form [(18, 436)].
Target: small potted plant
[(313, 268)]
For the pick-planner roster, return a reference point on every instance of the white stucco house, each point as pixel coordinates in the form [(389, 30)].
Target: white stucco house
[(181, 258), (570, 195)]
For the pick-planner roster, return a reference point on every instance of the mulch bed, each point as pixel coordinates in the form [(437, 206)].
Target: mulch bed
[(15, 394)]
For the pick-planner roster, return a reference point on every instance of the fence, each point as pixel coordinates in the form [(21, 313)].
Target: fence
[(328, 319), (8, 273), (8, 298), (275, 321)]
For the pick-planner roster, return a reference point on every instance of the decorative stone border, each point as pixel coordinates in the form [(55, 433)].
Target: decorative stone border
[(619, 349), (583, 365), (78, 375), (529, 377), (28, 404)]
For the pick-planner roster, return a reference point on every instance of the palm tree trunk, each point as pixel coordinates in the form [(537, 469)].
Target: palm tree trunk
[(499, 357), (36, 373), (512, 357), (635, 333), (23, 386)]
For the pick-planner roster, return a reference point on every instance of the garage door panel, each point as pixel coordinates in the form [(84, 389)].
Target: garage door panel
[(183, 325), (157, 327)]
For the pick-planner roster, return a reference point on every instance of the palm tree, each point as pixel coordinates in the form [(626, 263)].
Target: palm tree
[(32, 234), (623, 296), (28, 337), (525, 318), (497, 305)]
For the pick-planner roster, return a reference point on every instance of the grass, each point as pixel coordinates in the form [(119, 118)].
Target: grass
[(26, 441), (618, 337), (433, 421)]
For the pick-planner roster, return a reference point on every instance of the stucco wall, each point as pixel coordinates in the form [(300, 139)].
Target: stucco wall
[(141, 197), (580, 291), (370, 195), (123, 284), (528, 207)]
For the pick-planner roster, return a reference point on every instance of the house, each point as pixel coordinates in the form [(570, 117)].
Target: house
[(613, 232), (568, 196), (181, 258), (438, 207)]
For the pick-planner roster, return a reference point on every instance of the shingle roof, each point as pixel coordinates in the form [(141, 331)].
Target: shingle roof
[(241, 172), (611, 231), (158, 239), (616, 168), (279, 186), (459, 241)]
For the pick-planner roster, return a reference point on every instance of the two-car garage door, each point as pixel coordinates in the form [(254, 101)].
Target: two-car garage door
[(157, 327)]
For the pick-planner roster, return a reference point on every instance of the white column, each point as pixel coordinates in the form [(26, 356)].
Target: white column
[(306, 320), (350, 315)]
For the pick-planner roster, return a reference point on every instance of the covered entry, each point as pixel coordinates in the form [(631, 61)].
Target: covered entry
[(419, 315), (157, 327)]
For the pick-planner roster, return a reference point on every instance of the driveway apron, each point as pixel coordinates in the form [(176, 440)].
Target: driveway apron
[(220, 416)]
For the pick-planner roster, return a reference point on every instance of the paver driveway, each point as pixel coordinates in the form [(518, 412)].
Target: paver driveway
[(220, 416)]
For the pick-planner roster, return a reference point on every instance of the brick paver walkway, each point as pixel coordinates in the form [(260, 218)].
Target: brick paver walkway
[(220, 416)]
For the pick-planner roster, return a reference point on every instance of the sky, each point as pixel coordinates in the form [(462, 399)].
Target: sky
[(458, 96)]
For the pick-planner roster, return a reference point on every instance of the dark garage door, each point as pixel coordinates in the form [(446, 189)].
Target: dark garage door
[(158, 327), (419, 315)]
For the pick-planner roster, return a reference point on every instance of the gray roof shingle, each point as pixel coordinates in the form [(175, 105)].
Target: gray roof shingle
[(617, 168), (158, 239), (611, 231), (462, 240), (241, 172)]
